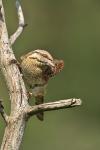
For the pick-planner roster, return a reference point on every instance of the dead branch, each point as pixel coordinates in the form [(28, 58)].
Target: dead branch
[(61, 104), (21, 23), (18, 96)]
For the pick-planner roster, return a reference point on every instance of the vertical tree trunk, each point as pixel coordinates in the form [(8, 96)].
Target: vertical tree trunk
[(13, 134), (16, 121)]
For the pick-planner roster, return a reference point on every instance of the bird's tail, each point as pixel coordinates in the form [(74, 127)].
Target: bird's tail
[(39, 100)]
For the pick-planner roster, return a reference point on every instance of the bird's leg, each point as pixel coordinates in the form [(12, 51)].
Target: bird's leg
[(39, 99)]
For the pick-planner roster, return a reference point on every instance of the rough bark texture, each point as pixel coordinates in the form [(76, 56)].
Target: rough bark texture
[(18, 96), (13, 133), (61, 104), (20, 109)]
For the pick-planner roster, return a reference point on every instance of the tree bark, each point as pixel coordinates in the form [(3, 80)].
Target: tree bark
[(17, 91)]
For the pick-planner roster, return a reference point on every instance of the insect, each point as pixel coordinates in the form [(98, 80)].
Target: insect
[(38, 67)]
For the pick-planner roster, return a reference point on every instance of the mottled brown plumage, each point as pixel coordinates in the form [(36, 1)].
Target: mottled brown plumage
[(38, 67)]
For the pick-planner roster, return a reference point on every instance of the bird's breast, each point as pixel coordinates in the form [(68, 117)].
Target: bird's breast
[(31, 72)]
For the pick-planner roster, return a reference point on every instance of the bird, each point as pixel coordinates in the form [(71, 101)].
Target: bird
[(37, 67)]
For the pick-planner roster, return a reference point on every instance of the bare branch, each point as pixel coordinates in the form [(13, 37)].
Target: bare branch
[(3, 114), (21, 23), (18, 96), (32, 110)]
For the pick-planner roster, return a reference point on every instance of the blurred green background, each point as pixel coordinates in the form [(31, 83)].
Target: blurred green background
[(68, 29)]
